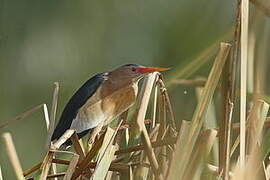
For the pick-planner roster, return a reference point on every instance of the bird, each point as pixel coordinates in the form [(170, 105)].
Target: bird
[(101, 99)]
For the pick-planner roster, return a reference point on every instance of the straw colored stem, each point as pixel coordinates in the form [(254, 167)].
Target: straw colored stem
[(200, 111), (55, 175), (63, 139), (71, 167), (53, 112), (45, 166), (139, 117), (243, 79), (228, 141), (77, 146), (181, 139), (168, 103), (200, 153), (89, 156), (13, 157)]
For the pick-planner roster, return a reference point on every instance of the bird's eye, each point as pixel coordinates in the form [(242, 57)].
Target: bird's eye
[(133, 69)]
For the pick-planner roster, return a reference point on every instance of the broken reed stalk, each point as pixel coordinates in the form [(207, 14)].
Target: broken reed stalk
[(228, 92), (46, 116), (13, 157), (106, 153), (253, 167), (168, 102), (243, 78), (255, 125), (77, 146), (51, 121), (154, 104), (71, 167), (228, 141), (202, 148), (89, 156), (47, 162), (62, 139), (53, 113), (200, 111), (139, 116), (181, 139), (45, 166)]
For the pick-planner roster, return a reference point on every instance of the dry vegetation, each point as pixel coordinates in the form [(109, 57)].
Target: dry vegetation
[(141, 147)]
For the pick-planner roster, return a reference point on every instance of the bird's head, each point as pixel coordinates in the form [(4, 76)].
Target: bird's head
[(134, 72)]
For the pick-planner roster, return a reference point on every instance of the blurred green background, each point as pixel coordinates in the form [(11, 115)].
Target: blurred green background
[(69, 41)]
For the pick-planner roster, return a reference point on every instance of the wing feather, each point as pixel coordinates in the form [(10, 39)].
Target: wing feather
[(76, 101)]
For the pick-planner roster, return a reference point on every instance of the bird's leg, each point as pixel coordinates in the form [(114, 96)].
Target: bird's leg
[(93, 134)]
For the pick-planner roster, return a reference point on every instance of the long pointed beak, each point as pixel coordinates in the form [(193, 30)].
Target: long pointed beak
[(145, 70)]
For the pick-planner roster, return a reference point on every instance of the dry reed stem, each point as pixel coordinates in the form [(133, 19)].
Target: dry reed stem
[(104, 162), (51, 121), (198, 116), (89, 156), (77, 146), (142, 103), (71, 167), (45, 166), (154, 111), (63, 139), (123, 117), (46, 116), (168, 102), (181, 139), (142, 171), (201, 151), (120, 167), (253, 168), (21, 116), (160, 152), (227, 98), (13, 157), (53, 113), (255, 125), (32, 169), (243, 78), (258, 106), (108, 140), (228, 141)]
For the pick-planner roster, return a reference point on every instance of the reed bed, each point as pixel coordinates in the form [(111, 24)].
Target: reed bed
[(148, 142)]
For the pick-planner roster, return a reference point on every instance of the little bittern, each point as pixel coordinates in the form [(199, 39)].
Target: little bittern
[(101, 99)]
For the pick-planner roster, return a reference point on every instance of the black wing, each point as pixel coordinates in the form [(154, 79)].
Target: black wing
[(77, 100)]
